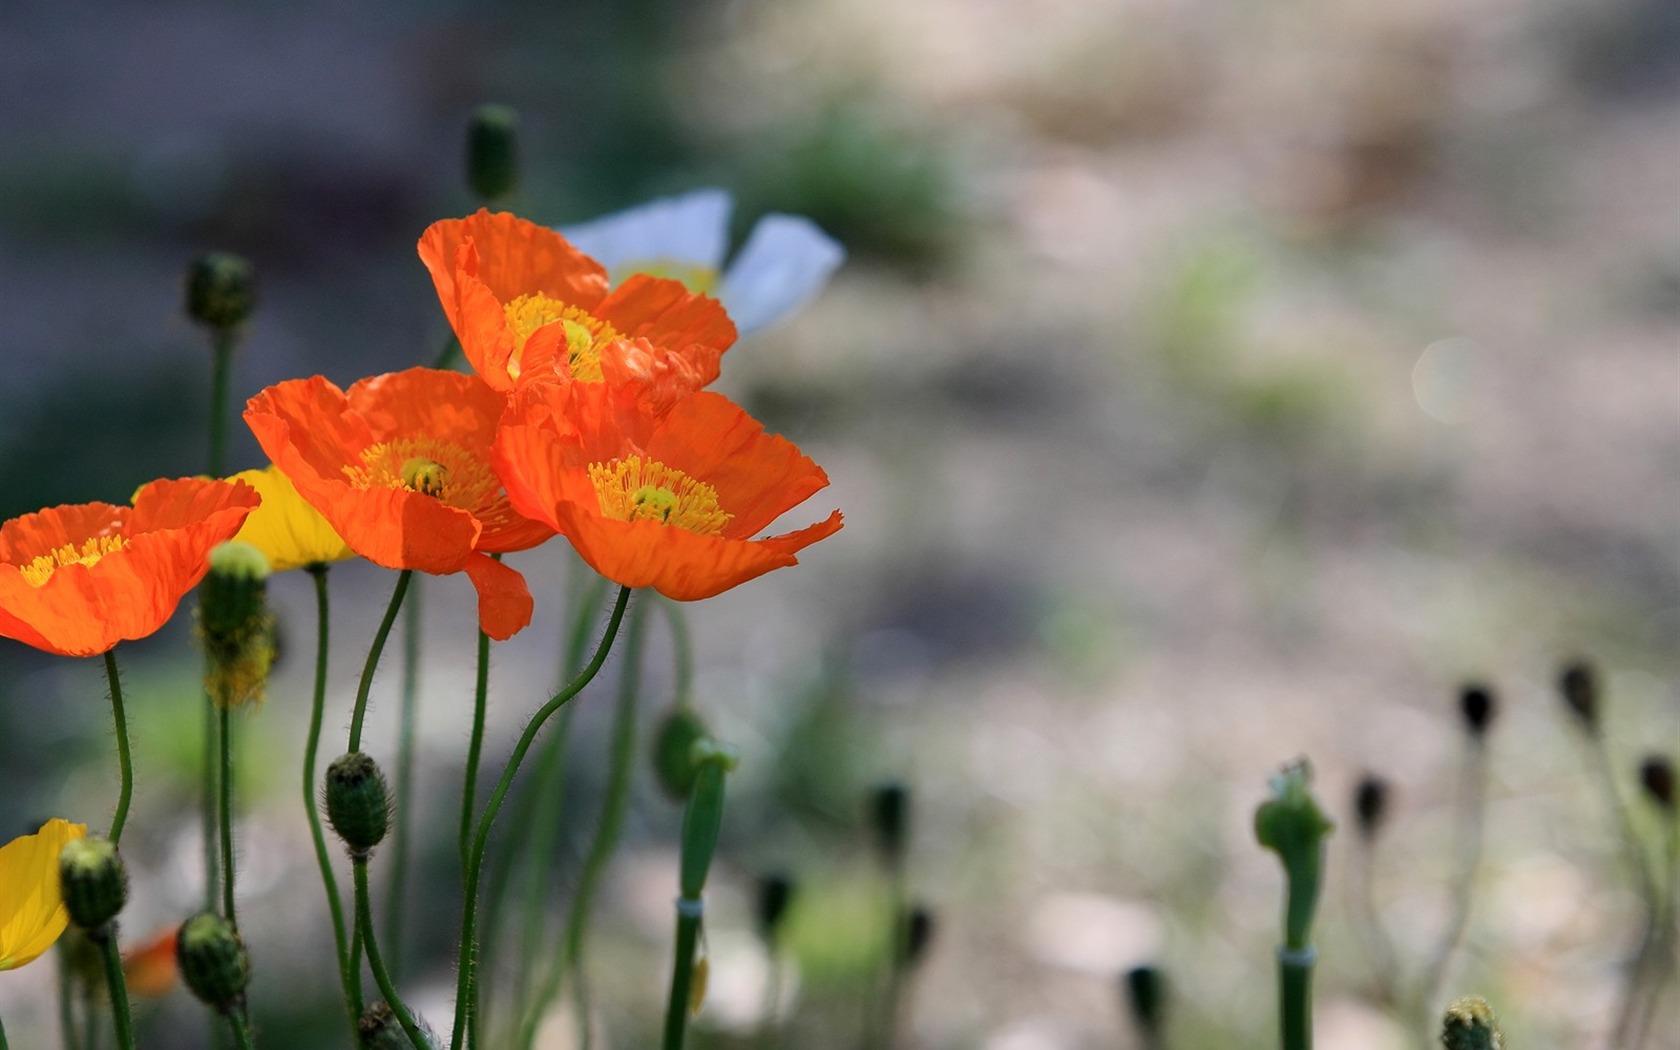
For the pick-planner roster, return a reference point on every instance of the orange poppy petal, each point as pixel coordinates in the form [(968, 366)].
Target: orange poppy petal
[(666, 313), (514, 257), (504, 600)]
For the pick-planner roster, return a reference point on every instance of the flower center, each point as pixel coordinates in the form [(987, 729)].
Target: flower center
[(39, 571), (637, 489), (433, 468), (585, 333)]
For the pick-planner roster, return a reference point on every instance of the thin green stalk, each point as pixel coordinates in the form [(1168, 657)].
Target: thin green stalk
[(467, 962), (4, 1044), (226, 808), (374, 650), (607, 831), (125, 765), (117, 987), (69, 1032), (898, 932), (381, 977), (222, 357), (210, 827), (475, 746), (682, 977), (348, 982), (1295, 973), (239, 1022), (1472, 816), (408, 720), (1659, 945)]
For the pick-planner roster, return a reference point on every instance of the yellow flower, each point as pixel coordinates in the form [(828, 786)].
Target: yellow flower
[(286, 528), (31, 912)]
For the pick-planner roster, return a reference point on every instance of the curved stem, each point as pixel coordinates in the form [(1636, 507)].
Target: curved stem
[(464, 988), (348, 983), (117, 986), (607, 832), (374, 650), (381, 977), (475, 746), (125, 765), (226, 808), (408, 717)]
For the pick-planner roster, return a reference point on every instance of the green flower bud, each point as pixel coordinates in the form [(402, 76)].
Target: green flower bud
[(235, 625), (703, 819), (916, 929), (1146, 994), (220, 290), (1477, 706), (381, 1030), (493, 152), (1656, 776), (673, 751), (1578, 682), (889, 816), (1292, 825), (212, 960), (93, 881), (1470, 1025), (358, 804)]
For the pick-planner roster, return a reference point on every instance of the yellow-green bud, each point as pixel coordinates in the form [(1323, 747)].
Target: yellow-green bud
[(673, 751), (235, 624), (381, 1030), (358, 804), (1470, 1025), (220, 290), (93, 881), (493, 152), (212, 960)]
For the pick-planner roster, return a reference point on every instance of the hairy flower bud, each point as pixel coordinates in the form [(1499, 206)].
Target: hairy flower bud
[(220, 290), (493, 152), (381, 1030), (93, 881), (358, 804), (1470, 1025), (235, 624), (213, 960)]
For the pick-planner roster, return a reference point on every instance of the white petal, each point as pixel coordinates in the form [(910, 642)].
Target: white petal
[(692, 228), (786, 260)]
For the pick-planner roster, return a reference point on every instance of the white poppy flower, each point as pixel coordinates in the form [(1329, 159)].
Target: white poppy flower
[(785, 261)]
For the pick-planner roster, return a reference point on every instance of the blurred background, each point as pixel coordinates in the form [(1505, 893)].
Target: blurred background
[(1208, 385)]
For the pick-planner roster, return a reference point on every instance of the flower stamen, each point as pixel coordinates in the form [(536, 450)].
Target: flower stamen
[(637, 489), (585, 333), (433, 468), (40, 570)]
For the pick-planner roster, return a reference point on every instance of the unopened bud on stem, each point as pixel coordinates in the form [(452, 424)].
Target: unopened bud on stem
[(213, 961), (358, 804), (221, 292), (93, 883)]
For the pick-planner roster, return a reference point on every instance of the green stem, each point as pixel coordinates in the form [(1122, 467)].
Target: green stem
[(682, 976), (209, 825), (408, 720), (1472, 810), (466, 964), (125, 766), (222, 357), (4, 1045), (607, 831), (226, 808), (381, 977), (374, 650), (239, 1022), (117, 986), (69, 1033), (1295, 972), (351, 987), (475, 747)]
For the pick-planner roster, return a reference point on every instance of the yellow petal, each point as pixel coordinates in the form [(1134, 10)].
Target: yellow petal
[(31, 912), (286, 528)]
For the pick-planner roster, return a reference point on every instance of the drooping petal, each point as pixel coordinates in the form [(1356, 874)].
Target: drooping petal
[(504, 600), (787, 259)]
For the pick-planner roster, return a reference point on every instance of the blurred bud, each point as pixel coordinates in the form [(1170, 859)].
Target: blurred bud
[(1470, 1025), (358, 804), (235, 624), (703, 817), (1656, 776), (493, 152), (889, 815), (1477, 706), (93, 881), (381, 1030), (220, 290), (1291, 824), (1146, 994), (917, 931), (673, 751), (1370, 803), (212, 960), (1578, 682), (775, 893)]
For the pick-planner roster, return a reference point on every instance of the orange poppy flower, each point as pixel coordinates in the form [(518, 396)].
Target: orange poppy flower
[(525, 303), (149, 967), (669, 501), (399, 466), (78, 579)]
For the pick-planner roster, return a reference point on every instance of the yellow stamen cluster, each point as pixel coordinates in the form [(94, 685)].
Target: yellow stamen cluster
[(585, 333), (433, 468), (39, 571), (637, 489), (695, 277)]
